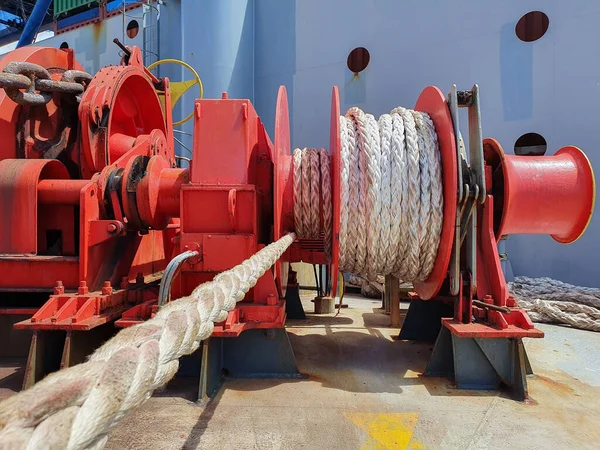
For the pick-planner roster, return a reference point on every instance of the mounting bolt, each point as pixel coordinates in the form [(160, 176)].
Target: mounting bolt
[(111, 228), (271, 300), (488, 299), (107, 288), (124, 283), (511, 302), (59, 289), (83, 289)]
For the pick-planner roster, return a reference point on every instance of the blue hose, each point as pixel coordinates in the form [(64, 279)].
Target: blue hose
[(34, 22)]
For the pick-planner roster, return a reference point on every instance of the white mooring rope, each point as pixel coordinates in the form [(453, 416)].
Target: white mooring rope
[(552, 301), (391, 194), (76, 407), (312, 196)]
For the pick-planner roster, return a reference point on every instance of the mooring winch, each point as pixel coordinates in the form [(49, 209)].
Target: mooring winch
[(484, 196), (94, 204)]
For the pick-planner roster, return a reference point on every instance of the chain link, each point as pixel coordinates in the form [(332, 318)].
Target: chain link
[(18, 76)]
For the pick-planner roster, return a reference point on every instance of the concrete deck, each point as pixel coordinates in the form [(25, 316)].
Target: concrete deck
[(363, 390)]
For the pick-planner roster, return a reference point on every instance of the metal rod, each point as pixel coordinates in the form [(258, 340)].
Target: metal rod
[(316, 278), (122, 47), (183, 145), (182, 132), (308, 288), (203, 385), (484, 305), (321, 280)]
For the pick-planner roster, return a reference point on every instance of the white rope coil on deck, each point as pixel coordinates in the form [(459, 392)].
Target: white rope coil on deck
[(391, 197), (552, 301), (76, 407)]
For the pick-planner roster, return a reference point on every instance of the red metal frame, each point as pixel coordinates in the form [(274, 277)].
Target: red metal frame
[(283, 195), (535, 195), (434, 103), (136, 210), (83, 311), (61, 219), (231, 177), (542, 194)]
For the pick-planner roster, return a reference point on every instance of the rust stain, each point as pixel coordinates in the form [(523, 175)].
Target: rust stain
[(545, 387), (97, 30), (556, 386), (313, 377), (242, 394), (457, 392)]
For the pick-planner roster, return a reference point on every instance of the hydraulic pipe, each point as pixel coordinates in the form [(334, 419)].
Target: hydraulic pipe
[(60, 192), (33, 24), (173, 268)]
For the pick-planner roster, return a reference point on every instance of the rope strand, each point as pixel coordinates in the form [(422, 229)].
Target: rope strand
[(391, 197), (76, 407)]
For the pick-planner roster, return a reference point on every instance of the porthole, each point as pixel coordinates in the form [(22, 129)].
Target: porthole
[(530, 144), (532, 26), (358, 59), (133, 29)]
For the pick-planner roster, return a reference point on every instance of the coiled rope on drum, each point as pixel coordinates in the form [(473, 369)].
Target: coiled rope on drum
[(313, 214), (391, 198)]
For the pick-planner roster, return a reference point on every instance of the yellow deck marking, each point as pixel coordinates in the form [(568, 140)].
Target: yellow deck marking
[(386, 431)]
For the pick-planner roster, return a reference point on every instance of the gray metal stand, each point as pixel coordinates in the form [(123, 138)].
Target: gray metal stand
[(476, 363), (253, 354)]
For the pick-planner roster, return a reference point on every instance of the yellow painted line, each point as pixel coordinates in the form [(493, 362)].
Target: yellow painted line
[(387, 431)]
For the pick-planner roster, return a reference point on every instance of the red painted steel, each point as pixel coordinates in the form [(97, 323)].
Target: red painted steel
[(78, 222), (542, 194), (283, 192), (19, 201), (482, 330), (60, 192), (115, 208), (225, 203), (433, 102), (85, 310)]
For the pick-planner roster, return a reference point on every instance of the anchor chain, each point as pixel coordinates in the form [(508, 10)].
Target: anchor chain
[(29, 84)]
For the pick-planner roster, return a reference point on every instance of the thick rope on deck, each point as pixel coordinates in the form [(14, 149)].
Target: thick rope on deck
[(75, 408), (552, 301)]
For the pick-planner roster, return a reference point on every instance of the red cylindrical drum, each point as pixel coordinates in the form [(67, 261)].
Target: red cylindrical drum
[(541, 194)]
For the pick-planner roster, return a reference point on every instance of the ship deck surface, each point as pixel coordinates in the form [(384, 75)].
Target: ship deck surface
[(362, 389)]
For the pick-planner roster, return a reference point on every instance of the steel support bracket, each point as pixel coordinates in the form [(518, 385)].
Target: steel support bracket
[(481, 363), (256, 353)]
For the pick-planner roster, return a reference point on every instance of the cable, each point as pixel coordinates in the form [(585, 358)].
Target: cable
[(183, 145)]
